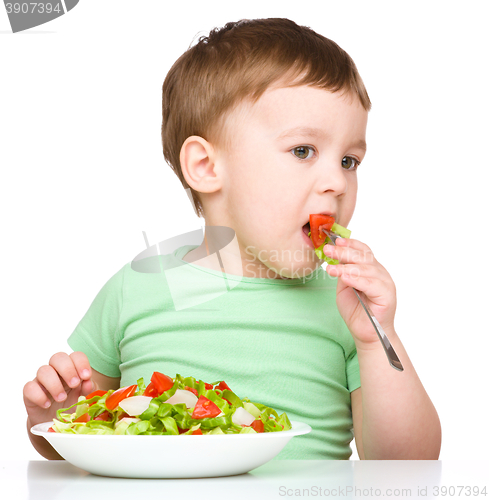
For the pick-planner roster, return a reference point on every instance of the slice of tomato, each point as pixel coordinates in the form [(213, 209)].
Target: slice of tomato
[(83, 418), (317, 223), (116, 397), (104, 416), (150, 391), (198, 432), (222, 386), (51, 430), (258, 426), (208, 387), (161, 382), (205, 408), (96, 393), (194, 391)]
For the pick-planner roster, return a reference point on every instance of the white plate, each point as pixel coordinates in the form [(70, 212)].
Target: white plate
[(169, 456)]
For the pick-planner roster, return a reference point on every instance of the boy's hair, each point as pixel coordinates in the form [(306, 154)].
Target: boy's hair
[(238, 62)]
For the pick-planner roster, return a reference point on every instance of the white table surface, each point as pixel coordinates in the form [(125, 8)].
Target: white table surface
[(52, 480)]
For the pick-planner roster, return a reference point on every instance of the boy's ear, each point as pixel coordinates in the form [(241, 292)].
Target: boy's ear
[(197, 160)]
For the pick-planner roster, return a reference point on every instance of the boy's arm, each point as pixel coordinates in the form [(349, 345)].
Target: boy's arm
[(357, 416), (393, 416)]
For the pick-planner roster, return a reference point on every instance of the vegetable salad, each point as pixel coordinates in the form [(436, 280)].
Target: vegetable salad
[(168, 406)]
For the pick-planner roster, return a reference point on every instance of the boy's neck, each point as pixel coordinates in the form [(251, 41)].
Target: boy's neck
[(227, 258)]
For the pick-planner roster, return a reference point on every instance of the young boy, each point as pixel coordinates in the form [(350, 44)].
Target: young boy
[(264, 122)]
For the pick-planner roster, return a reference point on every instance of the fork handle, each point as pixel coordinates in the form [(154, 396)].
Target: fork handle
[(389, 350)]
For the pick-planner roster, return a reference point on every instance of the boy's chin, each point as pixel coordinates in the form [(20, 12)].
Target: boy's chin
[(294, 271)]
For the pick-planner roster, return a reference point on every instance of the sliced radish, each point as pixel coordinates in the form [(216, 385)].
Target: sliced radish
[(242, 417), (135, 405), (183, 396)]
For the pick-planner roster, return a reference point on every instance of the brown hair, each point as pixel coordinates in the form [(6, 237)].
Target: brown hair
[(240, 61)]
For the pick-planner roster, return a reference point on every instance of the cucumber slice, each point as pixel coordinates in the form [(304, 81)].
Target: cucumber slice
[(341, 231)]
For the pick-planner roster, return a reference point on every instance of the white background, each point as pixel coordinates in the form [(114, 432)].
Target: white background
[(82, 175)]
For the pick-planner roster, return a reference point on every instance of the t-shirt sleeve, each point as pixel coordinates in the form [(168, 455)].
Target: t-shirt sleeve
[(353, 371), (97, 334)]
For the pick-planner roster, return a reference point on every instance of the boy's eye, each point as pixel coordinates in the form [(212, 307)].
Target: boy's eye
[(303, 152), (349, 163)]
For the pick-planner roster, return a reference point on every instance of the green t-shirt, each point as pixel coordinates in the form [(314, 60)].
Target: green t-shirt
[(278, 342)]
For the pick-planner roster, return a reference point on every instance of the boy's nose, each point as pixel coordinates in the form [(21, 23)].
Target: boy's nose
[(333, 179)]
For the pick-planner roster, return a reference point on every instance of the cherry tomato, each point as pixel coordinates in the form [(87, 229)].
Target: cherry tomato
[(258, 426), (150, 391), (194, 391), (205, 408), (96, 393), (104, 416), (161, 382), (223, 386), (116, 397), (83, 418), (317, 223)]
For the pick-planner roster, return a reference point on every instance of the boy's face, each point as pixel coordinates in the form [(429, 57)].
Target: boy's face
[(292, 153)]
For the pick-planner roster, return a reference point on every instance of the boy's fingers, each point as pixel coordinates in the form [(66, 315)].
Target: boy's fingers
[(63, 364), (87, 387), (82, 365), (49, 379), (35, 396), (357, 271), (350, 254), (351, 243), (368, 279)]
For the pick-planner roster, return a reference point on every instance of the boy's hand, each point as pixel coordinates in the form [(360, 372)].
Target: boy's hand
[(57, 385), (358, 268)]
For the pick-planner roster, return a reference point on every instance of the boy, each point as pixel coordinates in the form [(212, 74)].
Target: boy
[(264, 122)]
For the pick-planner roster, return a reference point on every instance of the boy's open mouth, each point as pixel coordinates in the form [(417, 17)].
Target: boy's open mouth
[(306, 228)]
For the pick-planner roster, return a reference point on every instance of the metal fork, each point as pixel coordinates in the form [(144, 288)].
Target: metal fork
[(389, 350)]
